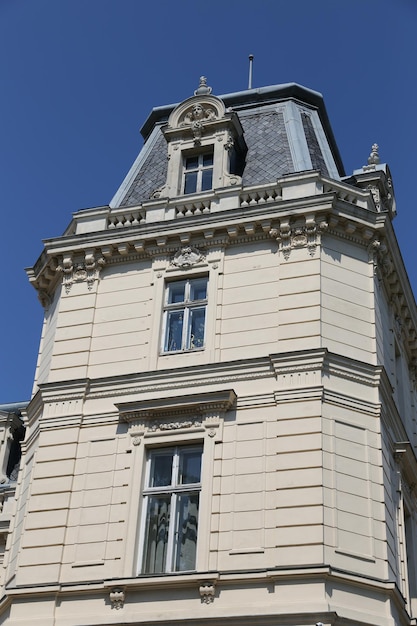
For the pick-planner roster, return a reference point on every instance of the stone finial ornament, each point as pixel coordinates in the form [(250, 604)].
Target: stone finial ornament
[(203, 89), (373, 158)]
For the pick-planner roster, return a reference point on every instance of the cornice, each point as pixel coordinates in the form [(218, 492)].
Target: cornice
[(195, 404), (253, 211), (116, 591), (288, 363), (181, 378), (351, 369), (389, 412), (349, 402)]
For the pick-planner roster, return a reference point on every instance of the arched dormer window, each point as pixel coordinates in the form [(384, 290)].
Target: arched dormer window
[(206, 148)]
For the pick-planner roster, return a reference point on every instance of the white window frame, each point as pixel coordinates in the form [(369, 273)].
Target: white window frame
[(198, 170), (174, 490), (187, 306)]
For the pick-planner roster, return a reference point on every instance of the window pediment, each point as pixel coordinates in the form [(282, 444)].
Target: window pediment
[(197, 109), (196, 412), (196, 404)]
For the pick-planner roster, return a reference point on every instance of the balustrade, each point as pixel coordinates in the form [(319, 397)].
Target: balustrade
[(260, 196), (123, 220)]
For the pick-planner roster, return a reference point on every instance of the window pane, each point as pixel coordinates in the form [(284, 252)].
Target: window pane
[(174, 330), (190, 467), (191, 163), (161, 470), (156, 539), (190, 182), (207, 159), (198, 289), (196, 328), (187, 520), (176, 292), (207, 180)]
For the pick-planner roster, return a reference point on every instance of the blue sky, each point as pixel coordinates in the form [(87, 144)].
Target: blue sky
[(79, 77)]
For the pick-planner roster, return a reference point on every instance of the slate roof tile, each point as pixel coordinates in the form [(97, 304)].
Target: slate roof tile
[(151, 176), (268, 156)]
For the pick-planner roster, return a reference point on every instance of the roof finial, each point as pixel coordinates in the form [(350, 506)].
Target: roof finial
[(203, 89), (373, 158)]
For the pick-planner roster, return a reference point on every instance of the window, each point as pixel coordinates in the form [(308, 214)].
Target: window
[(198, 173), (185, 315), (171, 505)]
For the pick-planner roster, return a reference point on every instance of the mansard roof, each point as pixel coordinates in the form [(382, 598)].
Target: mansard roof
[(286, 130)]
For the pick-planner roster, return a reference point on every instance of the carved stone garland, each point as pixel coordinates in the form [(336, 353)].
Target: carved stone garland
[(155, 425), (186, 257)]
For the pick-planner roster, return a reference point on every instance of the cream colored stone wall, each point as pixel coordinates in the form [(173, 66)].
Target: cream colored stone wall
[(300, 496), (348, 326), (47, 341)]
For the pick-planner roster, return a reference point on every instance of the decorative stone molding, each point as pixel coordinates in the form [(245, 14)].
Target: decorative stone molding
[(195, 116), (195, 112), (187, 257), (198, 412), (155, 425), (117, 598), (207, 591), (87, 270), (144, 427), (306, 235)]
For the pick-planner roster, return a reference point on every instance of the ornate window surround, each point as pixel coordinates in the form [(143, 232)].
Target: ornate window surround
[(186, 263), (186, 309), (198, 125), (173, 421)]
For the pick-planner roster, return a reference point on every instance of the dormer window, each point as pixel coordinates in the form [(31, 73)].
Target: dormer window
[(206, 148), (198, 173)]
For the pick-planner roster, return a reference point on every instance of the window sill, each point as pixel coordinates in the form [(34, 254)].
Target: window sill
[(190, 351)]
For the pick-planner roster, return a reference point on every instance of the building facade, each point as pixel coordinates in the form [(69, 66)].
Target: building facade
[(223, 424)]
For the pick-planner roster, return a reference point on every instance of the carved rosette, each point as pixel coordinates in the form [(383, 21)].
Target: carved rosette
[(186, 257), (290, 237), (87, 270)]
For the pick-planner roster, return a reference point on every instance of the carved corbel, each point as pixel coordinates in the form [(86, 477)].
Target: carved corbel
[(283, 237), (117, 598), (308, 235), (373, 250), (66, 268), (87, 271), (207, 591)]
